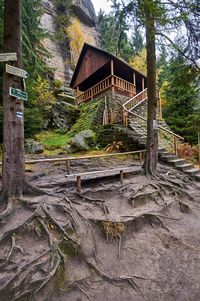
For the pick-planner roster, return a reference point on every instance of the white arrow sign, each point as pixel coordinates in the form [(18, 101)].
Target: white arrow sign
[(5, 57), (16, 71)]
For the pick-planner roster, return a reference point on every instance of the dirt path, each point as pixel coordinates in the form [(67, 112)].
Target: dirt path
[(139, 241)]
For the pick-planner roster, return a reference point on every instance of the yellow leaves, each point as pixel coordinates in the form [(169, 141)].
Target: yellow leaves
[(162, 95), (138, 62), (45, 98), (77, 38)]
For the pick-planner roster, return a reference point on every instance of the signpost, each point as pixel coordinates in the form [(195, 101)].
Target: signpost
[(6, 57), (16, 71), (18, 93)]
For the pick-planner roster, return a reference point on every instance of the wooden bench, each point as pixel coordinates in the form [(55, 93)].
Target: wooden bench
[(90, 175)]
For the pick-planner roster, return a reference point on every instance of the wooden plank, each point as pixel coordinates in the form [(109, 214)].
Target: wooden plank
[(104, 172)]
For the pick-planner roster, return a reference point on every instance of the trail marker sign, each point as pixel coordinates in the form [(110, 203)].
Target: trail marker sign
[(18, 93), (5, 57), (16, 71)]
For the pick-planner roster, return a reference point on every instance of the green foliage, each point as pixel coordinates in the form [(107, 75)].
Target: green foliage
[(44, 99), (33, 121), (113, 28), (53, 140), (34, 52), (181, 93), (33, 60), (62, 19)]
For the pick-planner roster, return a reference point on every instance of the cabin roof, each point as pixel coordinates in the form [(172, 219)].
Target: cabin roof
[(116, 59)]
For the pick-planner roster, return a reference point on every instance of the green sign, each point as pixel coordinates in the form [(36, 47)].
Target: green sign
[(18, 93)]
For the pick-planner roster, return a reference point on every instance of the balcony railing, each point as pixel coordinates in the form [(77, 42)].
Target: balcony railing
[(110, 82)]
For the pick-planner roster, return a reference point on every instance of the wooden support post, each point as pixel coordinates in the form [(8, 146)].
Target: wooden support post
[(112, 75), (141, 157), (121, 177), (134, 82), (175, 145), (68, 167), (143, 84), (78, 183), (160, 104)]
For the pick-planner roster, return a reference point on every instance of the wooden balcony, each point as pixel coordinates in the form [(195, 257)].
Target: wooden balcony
[(112, 83)]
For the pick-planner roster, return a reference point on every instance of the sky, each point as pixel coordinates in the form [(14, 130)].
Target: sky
[(103, 4)]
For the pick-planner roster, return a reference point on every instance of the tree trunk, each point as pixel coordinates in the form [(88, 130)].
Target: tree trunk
[(13, 175), (152, 132)]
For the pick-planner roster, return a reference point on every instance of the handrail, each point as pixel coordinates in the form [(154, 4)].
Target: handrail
[(144, 119), (114, 81), (134, 97)]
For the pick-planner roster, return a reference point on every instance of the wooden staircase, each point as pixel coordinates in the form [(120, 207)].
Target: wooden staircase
[(135, 117)]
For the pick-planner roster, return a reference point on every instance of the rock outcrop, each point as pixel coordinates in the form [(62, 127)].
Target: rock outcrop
[(60, 53)]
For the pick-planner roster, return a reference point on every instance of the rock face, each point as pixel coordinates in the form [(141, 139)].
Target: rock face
[(60, 54), (64, 115)]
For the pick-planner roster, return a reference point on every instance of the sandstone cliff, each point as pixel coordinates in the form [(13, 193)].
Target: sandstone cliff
[(60, 53)]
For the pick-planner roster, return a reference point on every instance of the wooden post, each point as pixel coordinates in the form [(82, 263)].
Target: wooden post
[(78, 183), (91, 94), (140, 154), (121, 177), (112, 76), (143, 84), (160, 104), (175, 145), (68, 167), (134, 82)]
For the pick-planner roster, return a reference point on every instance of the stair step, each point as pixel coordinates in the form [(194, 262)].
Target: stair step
[(193, 171), (197, 177), (164, 152), (161, 149), (168, 157), (185, 166), (177, 162)]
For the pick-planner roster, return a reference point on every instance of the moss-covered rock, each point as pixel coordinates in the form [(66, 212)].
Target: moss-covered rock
[(91, 115), (110, 133), (82, 140)]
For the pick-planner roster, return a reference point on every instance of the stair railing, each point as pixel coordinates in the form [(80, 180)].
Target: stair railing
[(135, 102)]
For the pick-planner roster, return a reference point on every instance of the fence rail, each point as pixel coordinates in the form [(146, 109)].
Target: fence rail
[(104, 85)]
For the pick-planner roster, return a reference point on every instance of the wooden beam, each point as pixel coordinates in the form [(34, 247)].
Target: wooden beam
[(134, 81), (112, 76), (142, 83), (112, 67)]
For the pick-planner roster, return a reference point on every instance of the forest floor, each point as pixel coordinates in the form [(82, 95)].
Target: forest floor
[(136, 241)]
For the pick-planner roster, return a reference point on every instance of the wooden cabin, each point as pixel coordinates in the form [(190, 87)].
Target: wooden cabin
[(98, 71)]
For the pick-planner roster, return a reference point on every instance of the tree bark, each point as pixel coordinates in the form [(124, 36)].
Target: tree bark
[(13, 174), (152, 132)]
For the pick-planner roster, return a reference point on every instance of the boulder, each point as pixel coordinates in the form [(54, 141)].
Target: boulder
[(82, 141), (33, 147), (84, 10)]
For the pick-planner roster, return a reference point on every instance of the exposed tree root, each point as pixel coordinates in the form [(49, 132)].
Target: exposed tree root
[(58, 221), (8, 209), (116, 279)]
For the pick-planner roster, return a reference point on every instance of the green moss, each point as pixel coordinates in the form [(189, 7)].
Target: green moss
[(91, 115), (69, 249), (61, 278)]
